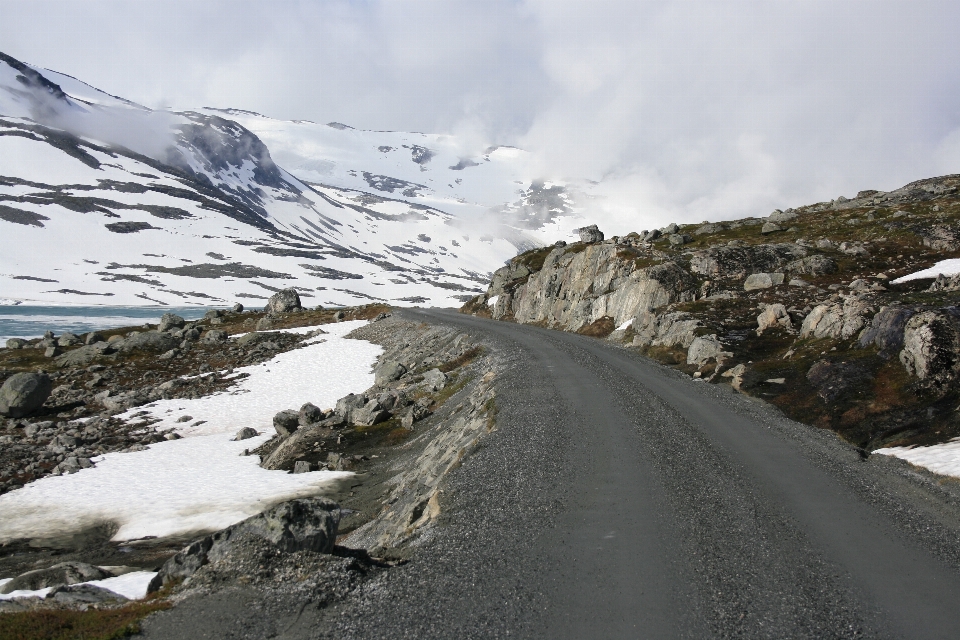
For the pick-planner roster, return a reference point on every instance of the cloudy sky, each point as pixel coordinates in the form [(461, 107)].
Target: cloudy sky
[(687, 110)]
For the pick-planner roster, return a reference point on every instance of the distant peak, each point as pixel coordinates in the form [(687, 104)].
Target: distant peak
[(339, 125)]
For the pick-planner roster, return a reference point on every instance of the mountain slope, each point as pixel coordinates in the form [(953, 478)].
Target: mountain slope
[(104, 201)]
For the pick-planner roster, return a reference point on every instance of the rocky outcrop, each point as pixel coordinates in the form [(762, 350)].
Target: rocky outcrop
[(675, 329), (931, 346), (578, 285), (283, 301), (836, 320), (304, 524), (738, 261), (590, 234), (65, 573)]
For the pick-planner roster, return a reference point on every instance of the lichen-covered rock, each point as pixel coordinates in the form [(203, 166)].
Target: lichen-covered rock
[(149, 341), (739, 261), (283, 301), (16, 343), (836, 320), (590, 234), (706, 348), (170, 321), (774, 315), (24, 393), (68, 340), (815, 265), (762, 281), (931, 346)]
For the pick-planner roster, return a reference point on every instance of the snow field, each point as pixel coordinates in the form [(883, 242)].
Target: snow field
[(131, 585), (946, 267), (940, 458), (201, 482)]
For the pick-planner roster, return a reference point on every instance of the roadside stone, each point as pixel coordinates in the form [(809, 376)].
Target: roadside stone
[(931, 346), (762, 281), (304, 524), (706, 348), (24, 393), (286, 422), (835, 320), (283, 301)]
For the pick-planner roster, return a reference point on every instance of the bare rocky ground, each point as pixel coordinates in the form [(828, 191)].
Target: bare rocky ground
[(432, 402), (797, 308)]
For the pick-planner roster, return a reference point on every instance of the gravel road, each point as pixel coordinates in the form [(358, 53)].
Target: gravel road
[(620, 499)]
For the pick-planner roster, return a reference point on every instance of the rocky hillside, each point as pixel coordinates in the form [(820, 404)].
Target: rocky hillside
[(808, 308)]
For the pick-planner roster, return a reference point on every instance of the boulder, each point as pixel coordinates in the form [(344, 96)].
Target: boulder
[(24, 393), (52, 352), (83, 356), (170, 321), (348, 404), (651, 235), (590, 234), (93, 337), (63, 573), (762, 281), (931, 346), (670, 229), (302, 466), (246, 433), (264, 324), (213, 314), (83, 595), (434, 380), (369, 414), (149, 341), (304, 524), (238, 308), (678, 239), (310, 413), (774, 315), (16, 343), (68, 340), (674, 329), (770, 227), (815, 265), (303, 441), (215, 336), (835, 320), (706, 348), (283, 302), (388, 371), (886, 330), (286, 422), (782, 216)]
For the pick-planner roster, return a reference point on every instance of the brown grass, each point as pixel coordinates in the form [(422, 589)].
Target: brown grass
[(92, 624), (599, 328)]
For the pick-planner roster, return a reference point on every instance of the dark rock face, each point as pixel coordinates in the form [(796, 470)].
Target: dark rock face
[(590, 234), (931, 346), (833, 378), (740, 261), (886, 330), (283, 302), (24, 393), (286, 422), (305, 524), (63, 573)]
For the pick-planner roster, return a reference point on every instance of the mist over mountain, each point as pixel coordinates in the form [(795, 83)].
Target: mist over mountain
[(105, 201)]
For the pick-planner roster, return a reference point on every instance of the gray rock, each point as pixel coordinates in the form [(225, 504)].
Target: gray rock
[(678, 239), (651, 235), (831, 379), (370, 414), (781, 216), (302, 466), (774, 315), (149, 341), (283, 302), (931, 346), (310, 413), (388, 371), (63, 573), (83, 356), (264, 324), (770, 227), (708, 229), (24, 393), (706, 348), (590, 234), (762, 281), (52, 352), (68, 340), (238, 308), (215, 336), (886, 330), (815, 265), (170, 321), (83, 594), (246, 433), (835, 320), (213, 313), (286, 422), (670, 229), (304, 524), (347, 404), (339, 316), (16, 343), (93, 337), (434, 380)]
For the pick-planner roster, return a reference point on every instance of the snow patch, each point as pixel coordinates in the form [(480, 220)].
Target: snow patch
[(939, 458), (946, 267)]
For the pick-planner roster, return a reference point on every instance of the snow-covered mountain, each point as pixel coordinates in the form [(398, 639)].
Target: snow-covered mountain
[(104, 201)]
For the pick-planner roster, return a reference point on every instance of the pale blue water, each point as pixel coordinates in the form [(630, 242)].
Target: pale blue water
[(23, 321)]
